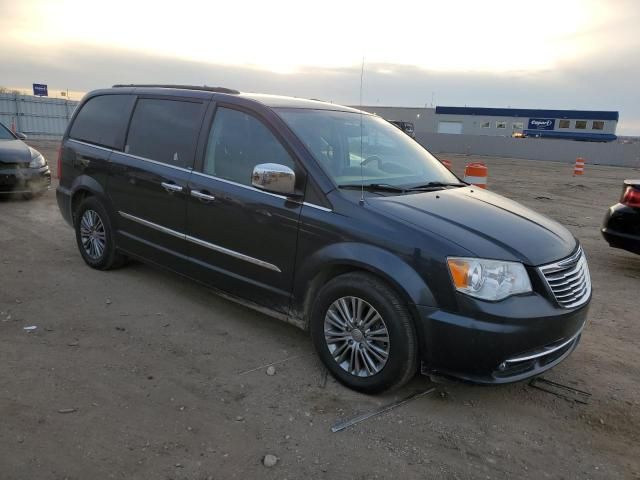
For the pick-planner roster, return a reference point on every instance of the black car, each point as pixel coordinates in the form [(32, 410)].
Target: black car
[(331, 219), (23, 170), (621, 226)]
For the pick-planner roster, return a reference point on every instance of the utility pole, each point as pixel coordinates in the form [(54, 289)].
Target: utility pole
[(15, 99)]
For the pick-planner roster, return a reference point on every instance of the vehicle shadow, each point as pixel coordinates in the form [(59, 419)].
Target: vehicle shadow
[(626, 263), (17, 197)]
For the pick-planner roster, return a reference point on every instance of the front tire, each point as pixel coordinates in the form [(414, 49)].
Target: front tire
[(364, 334), (95, 236)]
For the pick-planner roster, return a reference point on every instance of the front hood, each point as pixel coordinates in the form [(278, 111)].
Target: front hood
[(487, 224), (14, 151)]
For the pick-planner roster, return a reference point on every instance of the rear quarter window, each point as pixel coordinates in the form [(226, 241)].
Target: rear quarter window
[(103, 120)]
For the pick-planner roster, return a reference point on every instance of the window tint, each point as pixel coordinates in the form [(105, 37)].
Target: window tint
[(597, 125), (581, 124), (237, 143), (517, 126), (485, 124), (103, 120), (564, 124), (501, 124), (165, 131)]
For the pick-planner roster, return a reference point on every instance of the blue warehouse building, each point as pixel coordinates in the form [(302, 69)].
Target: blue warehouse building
[(585, 125), (588, 125)]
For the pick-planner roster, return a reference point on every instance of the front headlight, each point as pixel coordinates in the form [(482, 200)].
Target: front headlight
[(37, 160), (488, 279)]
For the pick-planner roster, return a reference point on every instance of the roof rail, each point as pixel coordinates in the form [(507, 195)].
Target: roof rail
[(183, 87)]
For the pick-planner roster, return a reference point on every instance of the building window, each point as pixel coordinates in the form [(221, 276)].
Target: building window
[(517, 126), (564, 124), (501, 124), (485, 124), (581, 124), (597, 125)]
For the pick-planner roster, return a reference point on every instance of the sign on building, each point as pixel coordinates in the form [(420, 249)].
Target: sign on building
[(542, 124), (40, 90)]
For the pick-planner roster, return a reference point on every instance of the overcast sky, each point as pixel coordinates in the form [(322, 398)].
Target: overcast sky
[(538, 54)]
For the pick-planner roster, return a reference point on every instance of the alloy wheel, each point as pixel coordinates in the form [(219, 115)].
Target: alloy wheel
[(92, 234), (356, 336)]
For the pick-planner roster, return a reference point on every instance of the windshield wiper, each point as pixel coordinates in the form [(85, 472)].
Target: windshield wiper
[(385, 187), (429, 185)]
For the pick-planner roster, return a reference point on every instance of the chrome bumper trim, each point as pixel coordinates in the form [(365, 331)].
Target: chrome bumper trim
[(547, 351)]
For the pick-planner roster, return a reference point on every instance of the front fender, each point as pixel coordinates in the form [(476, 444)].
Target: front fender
[(367, 257)]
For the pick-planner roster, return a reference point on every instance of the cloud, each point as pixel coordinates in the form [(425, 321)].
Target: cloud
[(605, 79)]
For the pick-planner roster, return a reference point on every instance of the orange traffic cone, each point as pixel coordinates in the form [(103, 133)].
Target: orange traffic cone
[(578, 169), (476, 173)]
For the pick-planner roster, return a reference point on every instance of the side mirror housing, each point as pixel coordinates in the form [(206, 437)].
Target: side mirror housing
[(275, 178), (21, 136)]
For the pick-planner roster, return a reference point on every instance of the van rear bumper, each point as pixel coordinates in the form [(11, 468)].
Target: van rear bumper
[(494, 349), (63, 196)]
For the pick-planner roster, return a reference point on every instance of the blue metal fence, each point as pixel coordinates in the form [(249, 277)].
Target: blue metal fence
[(37, 117)]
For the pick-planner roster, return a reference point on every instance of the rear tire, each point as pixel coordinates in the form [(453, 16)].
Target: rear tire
[(364, 333), (95, 236)]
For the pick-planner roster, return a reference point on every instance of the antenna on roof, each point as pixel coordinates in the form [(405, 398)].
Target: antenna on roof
[(361, 137)]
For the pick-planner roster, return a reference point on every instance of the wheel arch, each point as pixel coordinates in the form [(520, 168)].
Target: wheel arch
[(339, 259), (85, 186)]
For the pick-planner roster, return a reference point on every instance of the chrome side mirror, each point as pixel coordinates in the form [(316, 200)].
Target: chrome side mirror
[(21, 136), (273, 177)]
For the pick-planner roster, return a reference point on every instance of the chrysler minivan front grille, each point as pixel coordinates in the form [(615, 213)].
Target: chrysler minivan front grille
[(569, 280)]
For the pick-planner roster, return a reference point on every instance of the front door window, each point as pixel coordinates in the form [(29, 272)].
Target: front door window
[(237, 143)]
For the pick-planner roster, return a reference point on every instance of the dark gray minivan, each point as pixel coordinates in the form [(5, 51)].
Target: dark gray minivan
[(331, 219)]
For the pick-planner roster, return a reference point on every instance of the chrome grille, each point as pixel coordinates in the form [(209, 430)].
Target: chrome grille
[(569, 280)]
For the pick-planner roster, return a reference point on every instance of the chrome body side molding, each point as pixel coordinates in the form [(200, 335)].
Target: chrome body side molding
[(202, 243)]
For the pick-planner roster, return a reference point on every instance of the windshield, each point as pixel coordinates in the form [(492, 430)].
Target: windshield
[(364, 149), (5, 133)]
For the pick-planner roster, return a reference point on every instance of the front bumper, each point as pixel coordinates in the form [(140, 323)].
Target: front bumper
[(503, 342), (621, 228), (24, 180)]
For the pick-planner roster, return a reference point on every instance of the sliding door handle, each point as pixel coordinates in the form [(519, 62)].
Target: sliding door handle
[(202, 196), (171, 187)]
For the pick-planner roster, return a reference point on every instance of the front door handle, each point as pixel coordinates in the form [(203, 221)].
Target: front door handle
[(171, 187), (205, 197)]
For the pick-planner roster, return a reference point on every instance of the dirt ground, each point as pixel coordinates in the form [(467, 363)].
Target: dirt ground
[(162, 379)]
